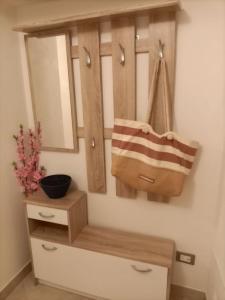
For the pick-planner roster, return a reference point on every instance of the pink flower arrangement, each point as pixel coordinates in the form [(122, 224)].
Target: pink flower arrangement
[(27, 170)]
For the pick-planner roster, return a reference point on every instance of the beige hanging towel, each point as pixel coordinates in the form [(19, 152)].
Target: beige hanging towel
[(149, 161)]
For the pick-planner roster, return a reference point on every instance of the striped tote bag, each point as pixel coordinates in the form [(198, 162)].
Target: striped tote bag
[(145, 160)]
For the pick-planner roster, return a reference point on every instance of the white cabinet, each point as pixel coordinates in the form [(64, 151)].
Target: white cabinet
[(98, 274)]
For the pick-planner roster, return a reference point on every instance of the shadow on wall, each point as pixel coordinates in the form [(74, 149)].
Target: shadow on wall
[(182, 19), (189, 186)]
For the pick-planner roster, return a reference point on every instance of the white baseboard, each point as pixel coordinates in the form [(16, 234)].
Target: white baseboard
[(15, 280), (221, 270), (216, 284)]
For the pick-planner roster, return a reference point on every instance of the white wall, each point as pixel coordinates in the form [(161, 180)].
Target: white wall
[(14, 253), (216, 280), (199, 111), (216, 284)]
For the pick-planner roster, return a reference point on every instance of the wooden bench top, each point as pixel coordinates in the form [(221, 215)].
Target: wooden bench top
[(134, 246)]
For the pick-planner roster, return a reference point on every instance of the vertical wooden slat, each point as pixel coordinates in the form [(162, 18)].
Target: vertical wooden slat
[(123, 36), (88, 37), (162, 27)]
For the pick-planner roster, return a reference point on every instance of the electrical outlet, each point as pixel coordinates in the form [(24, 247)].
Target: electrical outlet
[(186, 258)]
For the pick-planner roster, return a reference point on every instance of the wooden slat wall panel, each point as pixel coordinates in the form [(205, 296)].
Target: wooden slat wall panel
[(123, 33), (162, 27), (88, 37)]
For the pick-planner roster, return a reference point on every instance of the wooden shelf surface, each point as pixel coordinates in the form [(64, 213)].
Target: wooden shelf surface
[(104, 13), (41, 199), (132, 246), (54, 233)]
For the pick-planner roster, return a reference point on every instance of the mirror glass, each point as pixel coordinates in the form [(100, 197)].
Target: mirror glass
[(51, 90)]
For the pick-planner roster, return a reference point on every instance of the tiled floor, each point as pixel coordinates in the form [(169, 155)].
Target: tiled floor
[(26, 290)]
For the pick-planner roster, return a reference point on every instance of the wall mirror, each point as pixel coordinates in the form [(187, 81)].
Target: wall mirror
[(52, 90)]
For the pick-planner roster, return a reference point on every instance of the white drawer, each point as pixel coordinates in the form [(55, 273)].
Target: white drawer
[(98, 274), (47, 214)]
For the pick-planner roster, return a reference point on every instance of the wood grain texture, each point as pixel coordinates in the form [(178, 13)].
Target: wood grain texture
[(99, 14), (75, 206), (141, 46), (162, 27), (78, 218), (41, 199), (124, 92), (88, 36), (50, 232), (107, 133), (133, 246)]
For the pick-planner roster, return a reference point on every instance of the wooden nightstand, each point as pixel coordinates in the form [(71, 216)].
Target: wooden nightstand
[(58, 220)]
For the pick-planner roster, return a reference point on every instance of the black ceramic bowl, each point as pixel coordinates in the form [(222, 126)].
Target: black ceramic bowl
[(55, 186)]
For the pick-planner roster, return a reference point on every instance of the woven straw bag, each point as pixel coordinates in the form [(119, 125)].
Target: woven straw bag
[(149, 161)]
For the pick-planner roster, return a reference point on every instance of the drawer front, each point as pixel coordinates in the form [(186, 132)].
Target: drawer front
[(98, 274), (47, 214)]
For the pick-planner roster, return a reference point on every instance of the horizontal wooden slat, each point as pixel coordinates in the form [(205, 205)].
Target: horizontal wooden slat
[(107, 133), (142, 46), (106, 49), (99, 13)]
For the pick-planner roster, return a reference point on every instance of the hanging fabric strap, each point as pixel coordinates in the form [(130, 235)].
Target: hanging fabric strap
[(160, 66)]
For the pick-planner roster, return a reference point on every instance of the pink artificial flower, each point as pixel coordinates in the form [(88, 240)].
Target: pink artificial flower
[(37, 175), (27, 168), (34, 186)]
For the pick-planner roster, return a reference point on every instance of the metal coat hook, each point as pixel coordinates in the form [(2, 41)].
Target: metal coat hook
[(161, 49), (88, 57), (122, 56), (93, 143)]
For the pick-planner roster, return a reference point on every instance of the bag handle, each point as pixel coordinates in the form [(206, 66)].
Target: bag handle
[(160, 64)]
